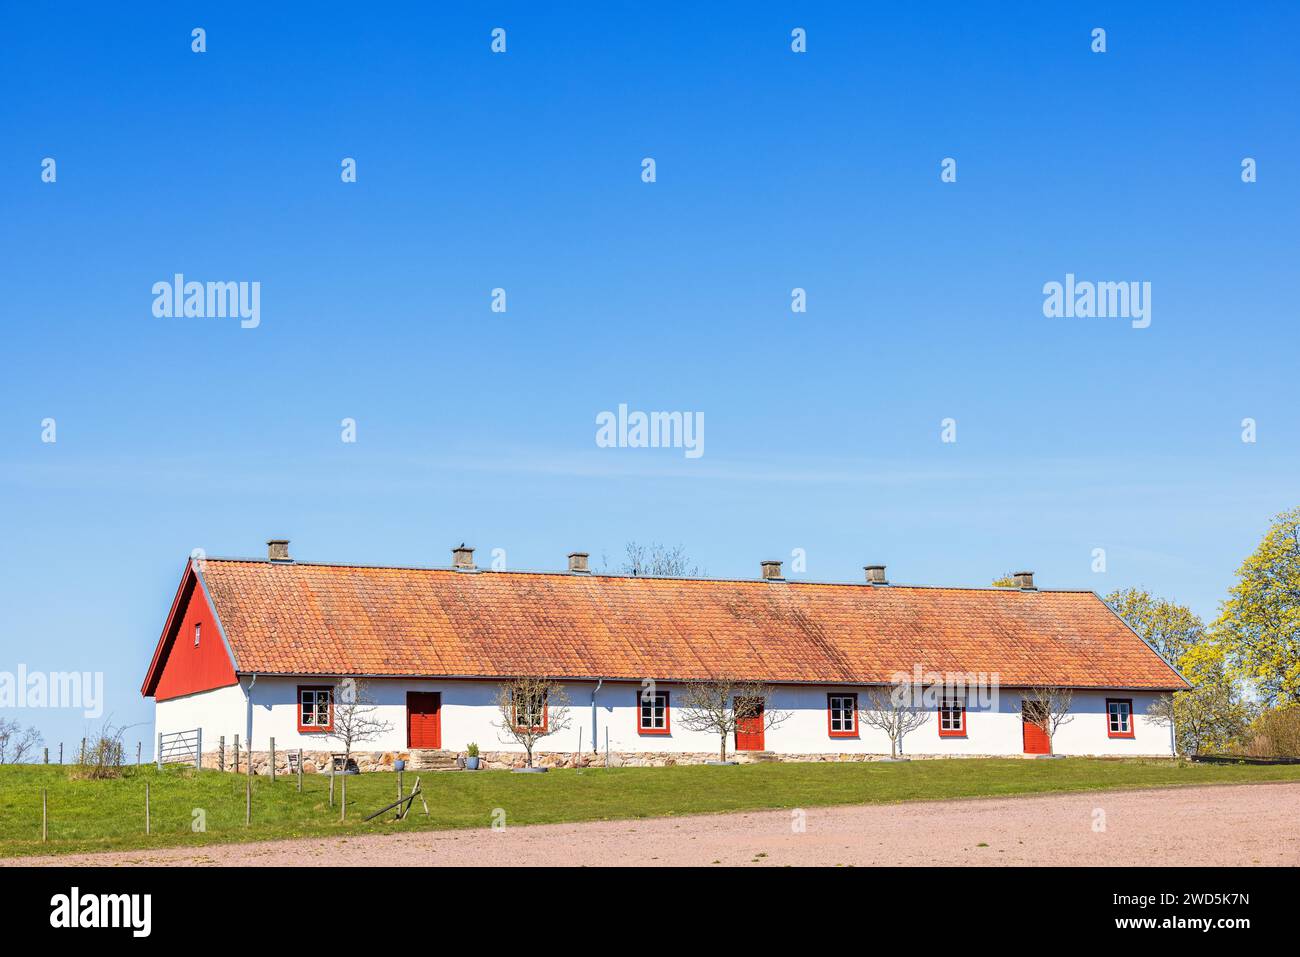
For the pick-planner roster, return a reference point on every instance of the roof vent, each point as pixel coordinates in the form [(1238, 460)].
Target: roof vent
[(875, 574), (578, 563), (462, 558), (277, 550), (1024, 581), (772, 571)]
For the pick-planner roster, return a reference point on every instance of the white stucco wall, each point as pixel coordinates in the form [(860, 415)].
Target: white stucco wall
[(469, 714), (217, 712)]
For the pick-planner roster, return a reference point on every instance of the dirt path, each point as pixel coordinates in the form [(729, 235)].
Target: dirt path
[(1230, 825)]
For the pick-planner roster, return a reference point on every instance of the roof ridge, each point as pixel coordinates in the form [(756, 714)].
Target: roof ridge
[(672, 578)]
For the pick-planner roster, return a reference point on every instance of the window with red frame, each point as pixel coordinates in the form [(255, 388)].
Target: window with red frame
[(652, 712), (530, 712), (1119, 717), (952, 719), (842, 715), (315, 708)]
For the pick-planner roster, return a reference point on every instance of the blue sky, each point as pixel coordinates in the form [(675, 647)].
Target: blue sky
[(522, 171)]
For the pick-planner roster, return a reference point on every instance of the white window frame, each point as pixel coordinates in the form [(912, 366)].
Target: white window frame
[(952, 717), (657, 702), (1119, 709), (316, 695), (846, 705)]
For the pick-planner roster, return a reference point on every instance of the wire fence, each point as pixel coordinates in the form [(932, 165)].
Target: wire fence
[(82, 752)]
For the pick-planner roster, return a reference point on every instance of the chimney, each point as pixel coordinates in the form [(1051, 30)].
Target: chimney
[(277, 550), (875, 574), (578, 563), (772, 571), (462, 558), (1024, 581)]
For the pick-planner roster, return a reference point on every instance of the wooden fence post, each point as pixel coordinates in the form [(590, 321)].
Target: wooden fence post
[(272, 756), (198, 750), (236, 754), (146, 807), (157, 755), (331, 782), (139, 749), (81, 757), (44, 815), (300, 770), (221, 753), (248, 799), (60, 752), (47, 755)]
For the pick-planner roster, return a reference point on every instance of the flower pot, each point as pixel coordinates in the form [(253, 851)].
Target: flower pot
[(471, 763)]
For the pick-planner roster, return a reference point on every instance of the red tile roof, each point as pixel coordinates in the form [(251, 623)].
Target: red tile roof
[(299, 618)]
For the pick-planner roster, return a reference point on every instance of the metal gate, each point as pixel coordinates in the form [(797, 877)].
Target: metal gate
[(181, 747)]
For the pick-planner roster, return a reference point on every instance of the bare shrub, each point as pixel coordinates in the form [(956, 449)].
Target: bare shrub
[(17, 743), (1274, 734), (103, 755)]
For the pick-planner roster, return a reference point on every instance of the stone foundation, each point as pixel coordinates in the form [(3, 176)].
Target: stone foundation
[(313, 762), (317, 762)]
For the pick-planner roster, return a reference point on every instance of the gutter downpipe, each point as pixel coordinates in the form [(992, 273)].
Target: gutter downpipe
[(248, 738), (595, 739)]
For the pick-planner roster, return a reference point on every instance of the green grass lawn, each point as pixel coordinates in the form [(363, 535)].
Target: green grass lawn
[(89, 815)]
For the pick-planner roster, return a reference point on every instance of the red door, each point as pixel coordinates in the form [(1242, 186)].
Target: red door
[(749, 724), (1036, 740), (423, 719)]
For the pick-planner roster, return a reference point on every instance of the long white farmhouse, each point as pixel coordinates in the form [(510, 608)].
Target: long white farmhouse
[(257, 648)]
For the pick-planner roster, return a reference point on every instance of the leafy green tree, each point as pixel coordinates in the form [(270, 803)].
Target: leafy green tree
[(1212, 717), (1166, 626), (1209, 717), (1259, 624)]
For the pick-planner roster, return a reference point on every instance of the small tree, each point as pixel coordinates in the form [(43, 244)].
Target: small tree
[(659, 561), (531, 709), (16, 743), (1048, 706), (892, 710), (354, 722), (726, 705)]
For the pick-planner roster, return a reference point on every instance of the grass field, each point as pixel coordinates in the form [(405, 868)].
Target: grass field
[(89, 815)]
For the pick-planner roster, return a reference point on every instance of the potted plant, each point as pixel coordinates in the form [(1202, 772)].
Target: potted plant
[(471, 757)]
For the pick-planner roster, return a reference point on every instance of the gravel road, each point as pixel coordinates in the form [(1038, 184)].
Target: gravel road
[(1215, 826)]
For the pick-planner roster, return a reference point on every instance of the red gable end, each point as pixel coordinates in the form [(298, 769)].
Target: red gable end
[(181, 665)]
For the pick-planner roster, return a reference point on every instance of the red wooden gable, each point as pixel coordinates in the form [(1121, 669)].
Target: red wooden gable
[(180, 666)]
